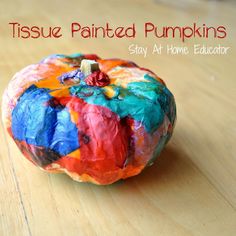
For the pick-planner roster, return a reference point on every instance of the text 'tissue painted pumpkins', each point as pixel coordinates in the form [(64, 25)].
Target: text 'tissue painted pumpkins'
[(97, 120)]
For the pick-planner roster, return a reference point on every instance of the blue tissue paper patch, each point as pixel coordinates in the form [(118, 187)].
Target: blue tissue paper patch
[(38, 123)]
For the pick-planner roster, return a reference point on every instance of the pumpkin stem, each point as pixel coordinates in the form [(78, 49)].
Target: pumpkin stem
[(89, 66)]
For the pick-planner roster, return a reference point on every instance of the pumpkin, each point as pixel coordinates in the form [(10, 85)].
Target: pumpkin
[(97, 120)]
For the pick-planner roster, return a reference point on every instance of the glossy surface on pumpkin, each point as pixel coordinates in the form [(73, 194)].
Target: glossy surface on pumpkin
[(99, 132)]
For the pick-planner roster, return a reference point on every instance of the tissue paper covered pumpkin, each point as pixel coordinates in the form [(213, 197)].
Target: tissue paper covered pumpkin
[(97, 120)]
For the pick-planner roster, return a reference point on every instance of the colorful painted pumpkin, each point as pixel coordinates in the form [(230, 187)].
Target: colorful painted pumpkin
[(98, 127)]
